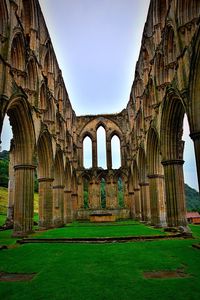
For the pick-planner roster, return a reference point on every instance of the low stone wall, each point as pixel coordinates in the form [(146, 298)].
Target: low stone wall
[(118, 213)]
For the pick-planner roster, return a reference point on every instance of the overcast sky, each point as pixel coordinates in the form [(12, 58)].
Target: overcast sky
[(97, 44)]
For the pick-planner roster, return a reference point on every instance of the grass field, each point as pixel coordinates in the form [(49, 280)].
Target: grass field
[(100, 271), (4, 200), (103, 271)]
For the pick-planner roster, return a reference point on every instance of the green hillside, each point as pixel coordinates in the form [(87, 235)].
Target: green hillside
[(192, 199)]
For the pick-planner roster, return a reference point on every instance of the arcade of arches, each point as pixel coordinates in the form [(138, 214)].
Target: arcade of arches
[(48, 136)]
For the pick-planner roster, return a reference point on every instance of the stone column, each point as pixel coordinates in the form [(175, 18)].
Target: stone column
[(132, 204), (145, 201), (94, 153), (45, 202), (11, 189), (195, 136), (68, 217), (157, 200), (108, 154), (80, 196), (126, 195), (175, 192), (58, 203), (74, 199), (137, 204), (111, 195), (24, 197), (94, 196)]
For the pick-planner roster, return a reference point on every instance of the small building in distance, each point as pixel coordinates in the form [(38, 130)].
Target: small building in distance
[(193, 217)]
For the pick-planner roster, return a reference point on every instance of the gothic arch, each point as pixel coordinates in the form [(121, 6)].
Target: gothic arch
[(58, 189), (159, 70), (187, 10), (3, 18), (156, 179), (153, 152), (29, 17), (172, 158), (194, 100), (45, 178), (21, 121), (43, 98), (18, 52), (32, 76)]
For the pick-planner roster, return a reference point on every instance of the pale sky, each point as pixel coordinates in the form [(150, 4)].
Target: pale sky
[(97, 44)]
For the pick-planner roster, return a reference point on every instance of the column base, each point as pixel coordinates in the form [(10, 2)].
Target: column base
[(21, 234)]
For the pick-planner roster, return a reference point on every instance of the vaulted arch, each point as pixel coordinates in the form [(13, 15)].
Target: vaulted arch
[(45, 178), (58, 189), (32, 79), (18, 52), (156, 179), (172, 158), (3, 18), (21, 121)]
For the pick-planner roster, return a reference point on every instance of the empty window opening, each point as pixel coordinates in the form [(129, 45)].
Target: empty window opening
[(116, 153), (87, 153), (101, 147), (189, 167)]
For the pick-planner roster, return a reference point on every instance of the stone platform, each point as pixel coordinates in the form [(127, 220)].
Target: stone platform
[(114, 214)]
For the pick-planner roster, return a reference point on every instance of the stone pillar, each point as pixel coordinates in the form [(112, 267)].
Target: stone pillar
[(137, 204), (74, 200), (175, 192), (132, 204), (111, 195), (94, 195), (58, 203), (45, 202), (108, 154), (145, 201), (11, 188), (157, 200), (126, 195), (195, 136), (94, 153), (68, 217), (24, 197), (80, 196)]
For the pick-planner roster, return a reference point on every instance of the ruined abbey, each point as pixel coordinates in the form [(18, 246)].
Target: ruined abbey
[(48, 137)]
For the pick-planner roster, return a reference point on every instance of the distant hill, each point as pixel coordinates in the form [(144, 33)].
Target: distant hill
[(192, 199), (4, 164)]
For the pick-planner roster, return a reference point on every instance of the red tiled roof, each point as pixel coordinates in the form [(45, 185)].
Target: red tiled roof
[(192, 215)]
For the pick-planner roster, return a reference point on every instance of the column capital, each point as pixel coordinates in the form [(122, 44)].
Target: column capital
[(25, 167), (172, 162), (131, 193), (45, 179), (67, 191), (155, 176), (144, 184), (58, 187)]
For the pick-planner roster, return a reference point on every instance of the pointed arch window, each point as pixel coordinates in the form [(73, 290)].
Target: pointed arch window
[(101, 147), (116, 153), (87, 152)]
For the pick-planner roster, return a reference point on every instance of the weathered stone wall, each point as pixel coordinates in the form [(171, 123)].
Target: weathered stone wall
[(48, 136)]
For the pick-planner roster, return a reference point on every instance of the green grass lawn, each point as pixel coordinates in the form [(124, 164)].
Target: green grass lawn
[(80, 230), (102, 271)]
